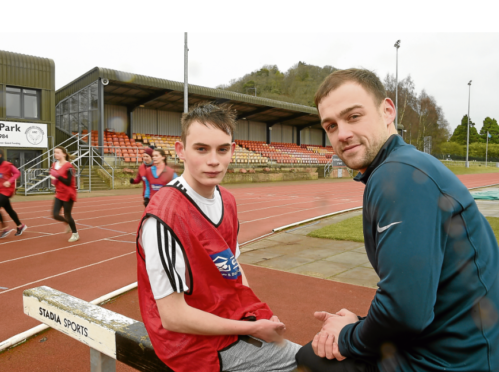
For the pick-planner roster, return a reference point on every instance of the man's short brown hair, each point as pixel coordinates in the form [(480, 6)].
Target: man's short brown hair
[(222, 117), (367, 79)]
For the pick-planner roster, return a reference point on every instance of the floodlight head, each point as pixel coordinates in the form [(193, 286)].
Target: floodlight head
[(397, 44), (469, 83)]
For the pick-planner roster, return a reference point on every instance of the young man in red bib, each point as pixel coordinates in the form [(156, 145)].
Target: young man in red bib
[(197, 306), (8, 175)]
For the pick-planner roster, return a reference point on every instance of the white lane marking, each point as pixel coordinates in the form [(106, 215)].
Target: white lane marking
[(62, 233), (297, 211), (66, 272), (58, 249)]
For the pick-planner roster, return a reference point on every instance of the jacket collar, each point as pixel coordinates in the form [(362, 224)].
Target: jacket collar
[(391, 144)]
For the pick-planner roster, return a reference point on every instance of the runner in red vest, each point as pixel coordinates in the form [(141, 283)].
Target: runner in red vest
[(62, 174), (8, 176), (195, 300), (141, 174), (158, 175)]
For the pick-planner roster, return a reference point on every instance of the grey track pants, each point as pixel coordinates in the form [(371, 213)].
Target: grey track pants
[(252, 355)]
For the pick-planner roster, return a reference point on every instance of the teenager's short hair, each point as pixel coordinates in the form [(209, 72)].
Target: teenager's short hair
[(367, 79), (222, 117)]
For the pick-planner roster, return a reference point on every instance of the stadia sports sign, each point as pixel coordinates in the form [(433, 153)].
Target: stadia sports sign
[(13, 134)]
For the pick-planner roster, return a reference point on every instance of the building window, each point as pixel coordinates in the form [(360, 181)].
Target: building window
[(79, 112), (23, 103)]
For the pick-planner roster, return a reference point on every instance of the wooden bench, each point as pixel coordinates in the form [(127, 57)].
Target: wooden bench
[(109, 335)]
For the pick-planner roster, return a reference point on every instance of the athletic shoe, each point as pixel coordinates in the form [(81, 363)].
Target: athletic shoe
[(74, 238), (21, 229), (5, 233), (67, 230)]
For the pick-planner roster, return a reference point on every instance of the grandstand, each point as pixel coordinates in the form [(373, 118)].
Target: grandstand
[(289, 153), (249, 153), (122, 113)]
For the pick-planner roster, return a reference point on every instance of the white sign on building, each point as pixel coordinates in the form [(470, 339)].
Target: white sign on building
[(13, 134)]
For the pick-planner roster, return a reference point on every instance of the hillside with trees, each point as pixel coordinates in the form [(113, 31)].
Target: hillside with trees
[(419, 113), (297, 85), (456, 147)]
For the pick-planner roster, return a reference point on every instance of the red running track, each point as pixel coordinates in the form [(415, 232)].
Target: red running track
[(104, 258)]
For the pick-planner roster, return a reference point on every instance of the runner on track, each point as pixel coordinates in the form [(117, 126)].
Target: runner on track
[(8, 175), (158, 175), (194, 297), (141, 174), (62, 174)]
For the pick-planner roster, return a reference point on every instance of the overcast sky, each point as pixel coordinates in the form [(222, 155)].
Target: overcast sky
[(440, 63)]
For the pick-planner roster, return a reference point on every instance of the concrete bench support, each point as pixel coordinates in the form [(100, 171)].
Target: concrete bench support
[(109, 335)]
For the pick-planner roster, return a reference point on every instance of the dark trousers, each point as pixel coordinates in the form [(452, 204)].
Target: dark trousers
[(5, 204), (68, 206), (309, 362)]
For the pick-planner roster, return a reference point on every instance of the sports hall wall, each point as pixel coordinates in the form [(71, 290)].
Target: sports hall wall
[(168, 123)]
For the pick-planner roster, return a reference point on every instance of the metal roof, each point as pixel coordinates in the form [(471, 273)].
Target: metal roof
[(132, 90), (27, 71)]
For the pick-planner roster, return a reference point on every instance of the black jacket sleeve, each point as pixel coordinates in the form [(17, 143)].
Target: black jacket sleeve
[(66, 181)]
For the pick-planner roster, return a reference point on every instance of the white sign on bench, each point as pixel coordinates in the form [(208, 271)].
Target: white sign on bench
[(108, 334)]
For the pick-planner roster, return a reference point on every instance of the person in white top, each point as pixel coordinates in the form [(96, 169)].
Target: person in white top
[(160, 284), (166, 268)]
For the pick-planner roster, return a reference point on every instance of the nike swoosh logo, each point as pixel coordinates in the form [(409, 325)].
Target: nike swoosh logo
[(381, 229)]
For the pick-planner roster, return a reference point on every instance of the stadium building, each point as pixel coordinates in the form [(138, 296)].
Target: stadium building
[(106, 118), (27, 106)]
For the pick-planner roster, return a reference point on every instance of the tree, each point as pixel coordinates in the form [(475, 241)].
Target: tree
[(452, 148), (492, 127), (460, 133), (418, 113)]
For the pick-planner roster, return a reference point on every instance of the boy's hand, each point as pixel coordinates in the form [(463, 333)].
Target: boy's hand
[(275, 319), (268, 330)]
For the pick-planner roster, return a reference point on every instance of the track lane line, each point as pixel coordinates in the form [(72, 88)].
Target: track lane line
[(66, 272), (59, 249)]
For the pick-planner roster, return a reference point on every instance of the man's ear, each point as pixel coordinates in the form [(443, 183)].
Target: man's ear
[(232, 148), (179, 149), (389, 111)]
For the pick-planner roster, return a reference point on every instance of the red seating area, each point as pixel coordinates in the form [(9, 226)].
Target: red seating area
[(326, 151), (304, 155), (289, 153), (118, 143), (268, 151)]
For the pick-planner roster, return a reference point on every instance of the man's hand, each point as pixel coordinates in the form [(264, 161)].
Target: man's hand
[(325, 343), (6, 184), (269, 330), (275, 319)]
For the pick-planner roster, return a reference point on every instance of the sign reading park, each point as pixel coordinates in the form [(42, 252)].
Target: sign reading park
[(14, 134)]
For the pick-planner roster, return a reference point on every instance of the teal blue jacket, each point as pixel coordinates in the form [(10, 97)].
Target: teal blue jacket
[(437, 305)]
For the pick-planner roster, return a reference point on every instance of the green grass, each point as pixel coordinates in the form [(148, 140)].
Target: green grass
[(472, 170), (349, 229), (494, 223)]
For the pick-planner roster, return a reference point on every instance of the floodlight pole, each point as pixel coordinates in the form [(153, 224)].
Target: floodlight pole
[(486, 148), (468, 132), (186, 74), (397, 46)]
